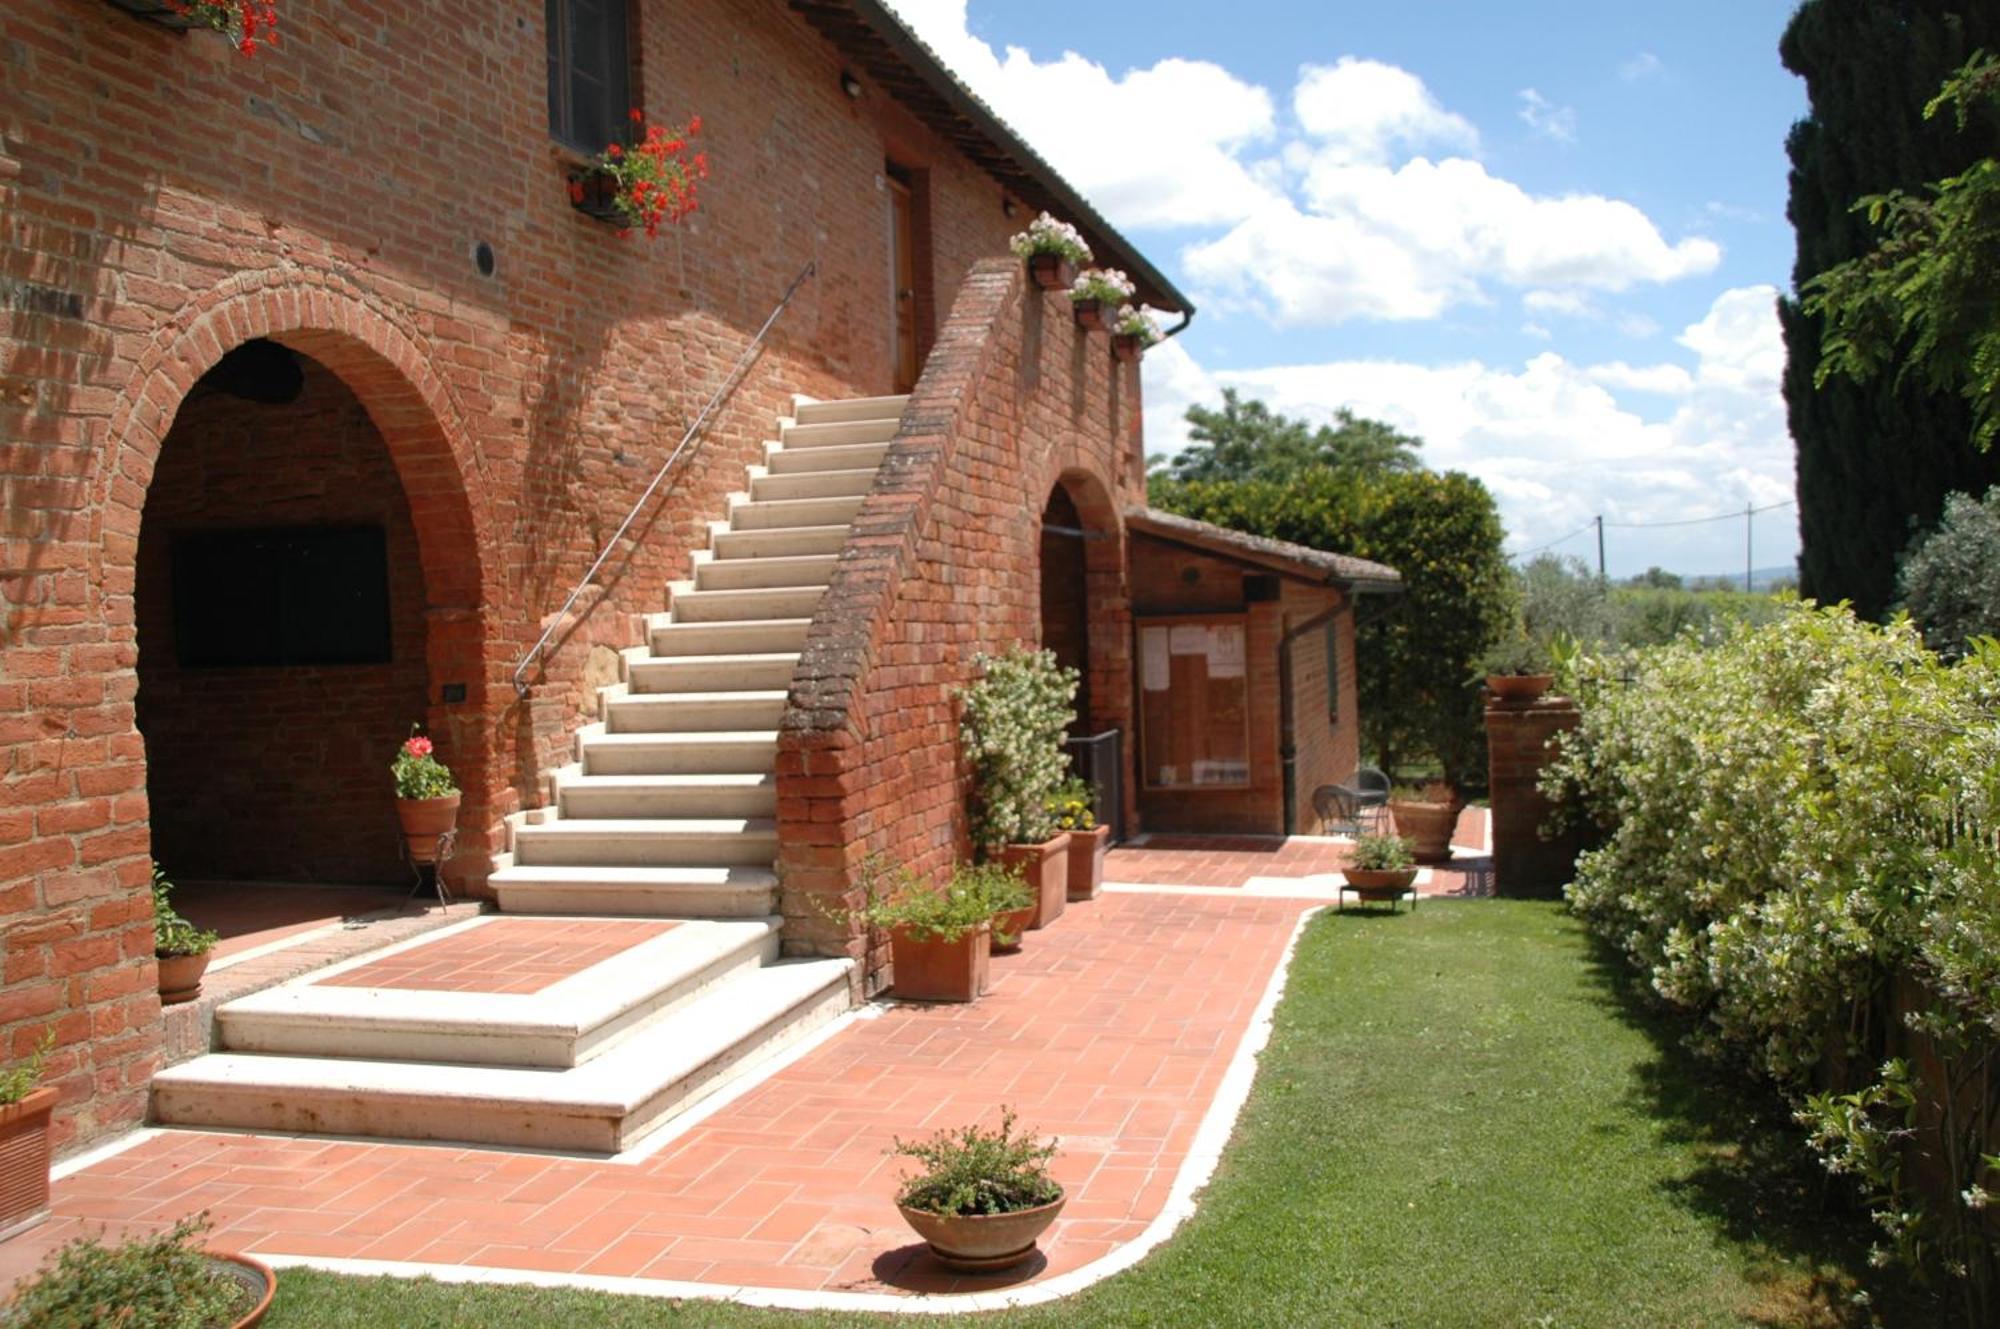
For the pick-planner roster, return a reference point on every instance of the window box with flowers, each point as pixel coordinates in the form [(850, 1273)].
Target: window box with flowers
[(248, 24), (426, 798), (644, 186), (1095, 294), (1054, 250), (1132, 332)]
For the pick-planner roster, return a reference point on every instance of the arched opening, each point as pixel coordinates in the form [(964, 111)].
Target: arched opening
[(1066, 593), (289, 621), (1086, 622)]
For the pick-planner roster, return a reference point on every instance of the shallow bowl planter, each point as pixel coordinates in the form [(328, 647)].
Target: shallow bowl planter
[(1375, 885), (24, 1161), (256, 1278), (932, 969), (981, 1243), (1086, 861), (1045, 868), (425, 821), (1519, 687), (594, 193), (180, 977), (1089, 315), (1051, 272), (1428, 827)]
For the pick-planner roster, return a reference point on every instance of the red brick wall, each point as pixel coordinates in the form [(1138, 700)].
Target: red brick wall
[(1323, 735), (276, 773), (1517, 747), (163, 199), (943, 564)]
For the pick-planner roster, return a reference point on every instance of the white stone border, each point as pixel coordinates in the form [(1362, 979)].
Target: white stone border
[(1204, 1153)]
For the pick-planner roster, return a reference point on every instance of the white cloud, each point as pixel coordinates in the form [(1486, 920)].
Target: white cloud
[(1641, 67), (1360, 110), (1547, 119), (1666, 380)]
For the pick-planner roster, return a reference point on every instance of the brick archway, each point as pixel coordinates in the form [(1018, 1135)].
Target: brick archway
[(1095, 558)]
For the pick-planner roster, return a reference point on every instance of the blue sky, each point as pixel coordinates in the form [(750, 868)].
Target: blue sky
[(1546, 237)]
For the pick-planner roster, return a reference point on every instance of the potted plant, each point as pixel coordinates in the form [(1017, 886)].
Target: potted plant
[(646, 185), (1518, 668), (1013, 722), (982, 1198), (1095, 294), (1382, 867), (1427, 816), (179, 946), (426, 797), (1087, 840), (940, 938), (247, 23), (162, 1279), (1054, 250), (24, 1141), (1132, 331)]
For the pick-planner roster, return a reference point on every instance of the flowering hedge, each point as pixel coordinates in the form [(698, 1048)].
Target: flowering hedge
[(1799, 847)]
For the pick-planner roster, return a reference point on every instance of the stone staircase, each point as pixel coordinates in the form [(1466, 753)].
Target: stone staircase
[(655, 865)]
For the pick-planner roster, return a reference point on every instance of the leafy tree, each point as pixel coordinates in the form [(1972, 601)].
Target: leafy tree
[(1878, 457), (1950, 579), (1248, 440), (1658, 579), (1416, 656)]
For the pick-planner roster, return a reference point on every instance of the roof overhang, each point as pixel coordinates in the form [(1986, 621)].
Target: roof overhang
[(1300, 562), (895, 59)]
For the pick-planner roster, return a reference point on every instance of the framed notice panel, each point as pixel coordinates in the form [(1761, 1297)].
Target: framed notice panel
[(1194, 702)]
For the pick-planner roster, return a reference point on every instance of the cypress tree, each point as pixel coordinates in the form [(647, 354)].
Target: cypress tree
[(1875, 460)]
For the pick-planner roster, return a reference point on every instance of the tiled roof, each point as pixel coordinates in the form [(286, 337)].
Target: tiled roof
[(1279, 555)]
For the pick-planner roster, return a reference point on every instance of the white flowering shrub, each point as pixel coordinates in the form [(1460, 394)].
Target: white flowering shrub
[(1012, 723), (1798, 826), (1107, 286), (1046, 235)]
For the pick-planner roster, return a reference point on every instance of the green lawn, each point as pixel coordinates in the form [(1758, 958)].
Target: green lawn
[(1462, 1119)]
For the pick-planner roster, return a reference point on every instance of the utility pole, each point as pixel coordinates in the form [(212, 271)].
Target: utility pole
[(1600, 549), (1749, 514)]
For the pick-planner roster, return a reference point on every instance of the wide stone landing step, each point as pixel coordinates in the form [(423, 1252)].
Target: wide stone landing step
[(563, 1033)]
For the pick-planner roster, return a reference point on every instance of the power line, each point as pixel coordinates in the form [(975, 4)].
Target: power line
[(1530, 553), (1737, 515)]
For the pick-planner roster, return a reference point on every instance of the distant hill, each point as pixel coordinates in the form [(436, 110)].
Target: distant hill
[(1761, 579)]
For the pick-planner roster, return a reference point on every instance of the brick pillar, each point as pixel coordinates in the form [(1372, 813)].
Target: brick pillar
[(1517, 744)]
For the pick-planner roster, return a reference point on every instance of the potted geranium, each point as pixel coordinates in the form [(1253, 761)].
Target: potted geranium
[(1428, 816), (1014, 719), (983, 1197), (1518, 668), (24, 1141), (646, 185), (1054, 250), (247, 23), (1095, 294), (1132, 331), (1382, 867), (940, 938), (426, 797), (164, 1278), (1087, 839), (179, 946)]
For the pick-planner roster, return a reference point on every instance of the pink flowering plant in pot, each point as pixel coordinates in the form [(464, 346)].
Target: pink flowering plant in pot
[(1096, 295), (1054, 251), (1132, 331), (426, 797)]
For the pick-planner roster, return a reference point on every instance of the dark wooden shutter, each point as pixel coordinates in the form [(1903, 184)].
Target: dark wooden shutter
[(588, 72)]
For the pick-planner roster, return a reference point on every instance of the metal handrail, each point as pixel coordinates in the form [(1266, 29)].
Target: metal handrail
[(727, 385)]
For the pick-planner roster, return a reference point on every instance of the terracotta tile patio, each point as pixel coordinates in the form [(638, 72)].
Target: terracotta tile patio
[(1227, 861), (504, 956)]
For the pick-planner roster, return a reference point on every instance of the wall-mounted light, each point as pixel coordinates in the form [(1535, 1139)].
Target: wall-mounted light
[(1008, 207), (850, 84)]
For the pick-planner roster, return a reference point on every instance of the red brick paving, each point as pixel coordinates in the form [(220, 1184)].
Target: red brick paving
[(503, 956), (1232, 860), (1111, 1029)]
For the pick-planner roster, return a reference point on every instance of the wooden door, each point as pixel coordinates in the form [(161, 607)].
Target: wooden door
[(903, 285)]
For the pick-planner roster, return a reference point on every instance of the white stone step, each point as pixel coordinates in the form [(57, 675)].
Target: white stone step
[(717, 753), (758, 637), (735, 574), (694, 712), (564, 1024), (743, 795), (605, 1105), (756, 516), (854, 408), (832, 457), (646, 673), (646, 842), (812, 484), (719, 891), (836, 432), (778, 542), (754, 602)]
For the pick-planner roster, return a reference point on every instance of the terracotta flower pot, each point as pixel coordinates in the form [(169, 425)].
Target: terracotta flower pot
[(24, 1161), (976, 1243), (1045, 867), (424, 821), (1428, 826), (931, 969), (180, 977), (1519, 687), (1009, 928), (1086, 861), (256, 1278), (1125, 347), (1052, 272), (1089, 315)]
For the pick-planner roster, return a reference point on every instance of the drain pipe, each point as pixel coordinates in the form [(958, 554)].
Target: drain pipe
[(1288, 748)]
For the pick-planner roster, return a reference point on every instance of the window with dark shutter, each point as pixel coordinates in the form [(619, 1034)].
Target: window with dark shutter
[(589, 72)]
